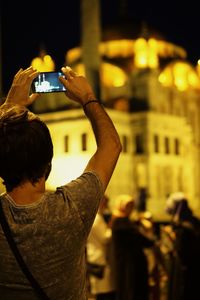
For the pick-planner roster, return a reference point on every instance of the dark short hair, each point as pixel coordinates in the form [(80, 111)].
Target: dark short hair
[(26, 148)]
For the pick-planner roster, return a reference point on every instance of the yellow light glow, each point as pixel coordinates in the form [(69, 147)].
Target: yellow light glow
[(65, 168), (113, 76), (110, 76), (73, 55), (166, 78), (127, 47), (180, 71), (152, 53), (80, 69), (193, 79), (140, 49), (180, 74), (146, 53), (43, 64)]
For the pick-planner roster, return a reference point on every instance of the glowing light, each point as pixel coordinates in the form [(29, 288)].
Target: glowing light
[(111, 75), (65, 168), (166, 78), (127, 47), (152, 53), (140, 48), (146, 53), (180, 74), (43, 63)]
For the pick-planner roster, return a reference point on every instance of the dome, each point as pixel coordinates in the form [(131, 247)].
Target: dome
[(135, 41), (180, 74), (111, 75)]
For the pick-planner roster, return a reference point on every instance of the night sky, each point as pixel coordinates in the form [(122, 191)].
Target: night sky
[(56, 26)]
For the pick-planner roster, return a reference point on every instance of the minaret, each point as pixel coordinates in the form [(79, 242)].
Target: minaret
[(90, 40)]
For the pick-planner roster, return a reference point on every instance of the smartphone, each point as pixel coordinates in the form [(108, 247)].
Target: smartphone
[(48, 82)]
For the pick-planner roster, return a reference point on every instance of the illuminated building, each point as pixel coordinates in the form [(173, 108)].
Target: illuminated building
[(152, 94), (156, 112)]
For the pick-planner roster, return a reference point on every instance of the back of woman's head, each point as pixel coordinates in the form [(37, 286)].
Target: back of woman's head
[(26, 148), (124, 205), (172, 201), (177, 206)]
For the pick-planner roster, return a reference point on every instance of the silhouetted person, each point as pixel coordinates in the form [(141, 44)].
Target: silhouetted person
[(130, 262), (185, 258), (98, 253)]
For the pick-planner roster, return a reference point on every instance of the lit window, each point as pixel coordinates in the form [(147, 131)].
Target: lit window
[(84, 141), (139, 144), (156, 143), (177, 147), (124, 143), (66, 143), (167, 145)]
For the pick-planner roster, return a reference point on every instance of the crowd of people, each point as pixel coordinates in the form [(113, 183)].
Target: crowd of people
[(150, 261)]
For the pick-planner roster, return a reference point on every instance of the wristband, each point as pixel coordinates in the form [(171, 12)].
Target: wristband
[(90, 101)]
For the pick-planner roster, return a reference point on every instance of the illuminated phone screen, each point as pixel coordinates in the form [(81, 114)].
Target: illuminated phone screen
[(48, 82)]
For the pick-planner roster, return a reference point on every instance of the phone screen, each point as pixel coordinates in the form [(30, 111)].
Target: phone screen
[(48, 82)]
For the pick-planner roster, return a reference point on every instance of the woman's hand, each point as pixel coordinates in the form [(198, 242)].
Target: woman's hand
[(19, 92)]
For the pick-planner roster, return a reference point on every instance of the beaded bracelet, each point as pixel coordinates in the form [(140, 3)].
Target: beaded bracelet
[(90, 101)]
